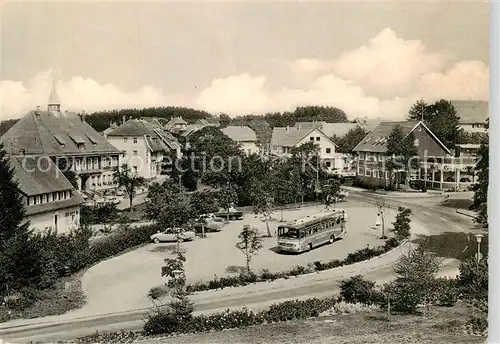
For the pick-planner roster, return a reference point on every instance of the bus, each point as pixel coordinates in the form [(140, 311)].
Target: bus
[(312, 231)]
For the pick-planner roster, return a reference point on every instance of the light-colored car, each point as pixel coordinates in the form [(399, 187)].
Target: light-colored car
[(171, 235), (210, 222)]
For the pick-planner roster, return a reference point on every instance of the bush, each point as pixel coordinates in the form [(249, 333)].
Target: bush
[(298, 309), (357, 290), (402, 223), (90, 215), (109, 337), (163, 321), (446, 292), (478, 324), (157, 292)]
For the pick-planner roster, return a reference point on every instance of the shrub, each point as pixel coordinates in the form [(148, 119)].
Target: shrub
[(90, 215), (163, 321), (357, 290), (446, 292), (402, 223), (478, 324), (157, 292), (298, 309)]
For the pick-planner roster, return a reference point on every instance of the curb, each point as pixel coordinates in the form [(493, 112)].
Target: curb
[(467, 213)]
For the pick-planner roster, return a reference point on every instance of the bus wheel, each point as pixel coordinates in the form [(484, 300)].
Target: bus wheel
[(332, 239), (309, 247)]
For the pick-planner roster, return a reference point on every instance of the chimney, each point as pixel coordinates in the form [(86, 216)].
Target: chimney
[(83, 116)]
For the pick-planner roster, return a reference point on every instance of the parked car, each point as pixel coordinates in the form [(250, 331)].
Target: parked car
[(170, 235), (210, 221), (233, 214)]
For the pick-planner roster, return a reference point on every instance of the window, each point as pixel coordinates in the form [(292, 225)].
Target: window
[(124, 140), (374, 174), (284, 149), (135, 169), (416, 142), (386, 175), (43, 199), (66, 214), (34, 200), (368, 172), (328, 150), (135, 139), (135, 153), (318, 138), (328, 164), (311, 138), (361, 171)]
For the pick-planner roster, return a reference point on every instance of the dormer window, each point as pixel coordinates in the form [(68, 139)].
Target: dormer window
[(80, 146)]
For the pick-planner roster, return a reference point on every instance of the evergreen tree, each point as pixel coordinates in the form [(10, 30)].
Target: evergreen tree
[(11, 205)]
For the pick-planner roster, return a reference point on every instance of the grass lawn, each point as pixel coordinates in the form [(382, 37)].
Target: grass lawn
[(453, 244), (66, 295), (457, 203), (440, 326)]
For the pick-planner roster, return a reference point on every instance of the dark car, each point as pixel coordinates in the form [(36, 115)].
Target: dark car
[(233, 214)]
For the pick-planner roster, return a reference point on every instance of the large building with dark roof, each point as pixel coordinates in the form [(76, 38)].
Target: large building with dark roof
[(473, 115), (438, 167), (145, 144), (51, 202), (68, 140)]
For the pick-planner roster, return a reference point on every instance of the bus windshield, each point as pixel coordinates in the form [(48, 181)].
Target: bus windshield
[(291, 233)]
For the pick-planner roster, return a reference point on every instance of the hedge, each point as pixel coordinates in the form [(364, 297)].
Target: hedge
[(266, 275), (162, 322)]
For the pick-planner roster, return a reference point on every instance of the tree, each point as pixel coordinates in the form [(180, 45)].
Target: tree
[(331, 192), (284, 182), (480, 189), (21, 264), (472, 282), (400, 153), (250, 244), (415, 281), (130, 181), (169, 205), (12, 210), (350, 140), (441, 118), (203, 202), (419, 111), (227, 196), (262, 205), (402, 223)]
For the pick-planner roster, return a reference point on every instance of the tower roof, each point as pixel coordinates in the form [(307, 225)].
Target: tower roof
[(54, 97)]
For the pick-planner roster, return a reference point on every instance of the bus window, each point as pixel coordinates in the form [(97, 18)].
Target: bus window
[(285, 232)]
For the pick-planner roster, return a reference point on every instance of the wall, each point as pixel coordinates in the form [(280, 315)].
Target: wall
[(324, 143), (143, 167), (427, 145), (473, 128), (249, 147), (44, 221)]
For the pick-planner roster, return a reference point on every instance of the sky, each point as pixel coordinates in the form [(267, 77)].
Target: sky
[(370, 59)]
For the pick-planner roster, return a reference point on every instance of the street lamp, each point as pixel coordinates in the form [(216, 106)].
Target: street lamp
[(478, 254)]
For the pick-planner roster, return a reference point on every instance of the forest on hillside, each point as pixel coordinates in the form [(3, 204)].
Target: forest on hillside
[(262, 124)]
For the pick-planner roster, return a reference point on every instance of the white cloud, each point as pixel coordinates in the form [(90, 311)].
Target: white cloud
[(379, 79), (76, 94)]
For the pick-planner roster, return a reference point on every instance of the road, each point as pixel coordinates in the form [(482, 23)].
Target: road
[(425, 210)]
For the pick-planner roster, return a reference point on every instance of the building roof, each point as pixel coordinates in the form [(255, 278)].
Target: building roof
[(37, 175), (329, 129), (173, 121), (208, 122), (75, 201), (376, 140), (471, 111), (240, 133), (157, 139), (54, 133)]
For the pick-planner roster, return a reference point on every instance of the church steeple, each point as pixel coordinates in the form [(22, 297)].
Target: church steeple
[(54, 103)]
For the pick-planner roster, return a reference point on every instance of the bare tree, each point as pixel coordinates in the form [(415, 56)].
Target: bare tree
[(250, 243), (129, 180)]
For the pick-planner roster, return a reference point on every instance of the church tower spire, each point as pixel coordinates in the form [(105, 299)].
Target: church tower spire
[(54, 103)]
